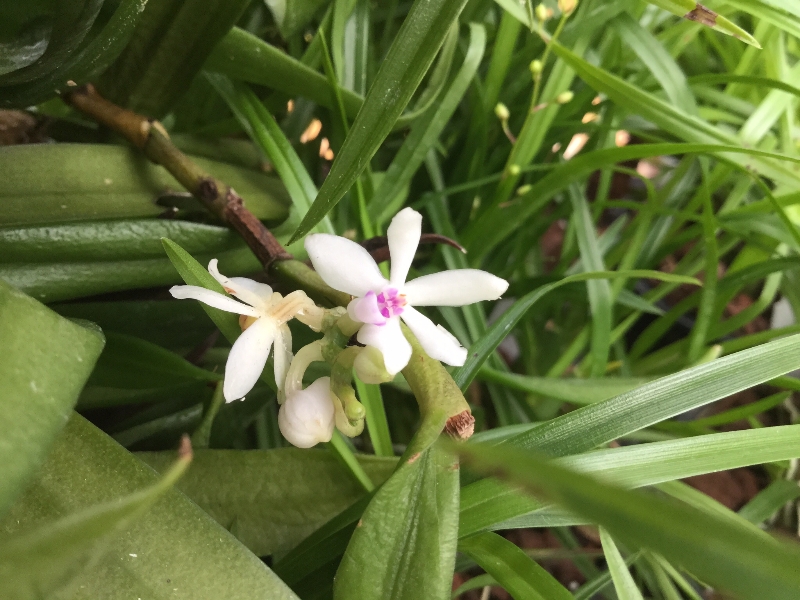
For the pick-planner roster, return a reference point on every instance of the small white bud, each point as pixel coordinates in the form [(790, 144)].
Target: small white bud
[(514, 170), (541, 12), (306, 418), (536, 66)]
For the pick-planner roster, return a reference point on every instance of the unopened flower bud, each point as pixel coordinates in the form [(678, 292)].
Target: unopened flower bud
[(369, 366), (307, 416), (524, 189), (536, 66), (514, 170), (541, 12), (565, 97), (501, 110), (567, 7)]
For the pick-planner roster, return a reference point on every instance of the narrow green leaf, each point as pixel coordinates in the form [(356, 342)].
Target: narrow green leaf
[(623, 582), (427, 129), (769, 500), (46, 361), (694, 11), (262, 128), (193, 273), (729, 557), (400, 74), (480, 350), (489, 504), (521, 576), (39, 563)]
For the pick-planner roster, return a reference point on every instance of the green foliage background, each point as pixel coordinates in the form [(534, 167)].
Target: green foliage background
[(644, 267)]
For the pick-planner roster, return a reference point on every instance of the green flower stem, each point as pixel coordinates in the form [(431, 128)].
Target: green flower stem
[(202, 435)]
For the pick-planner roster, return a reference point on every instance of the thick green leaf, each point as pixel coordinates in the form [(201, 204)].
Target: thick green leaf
[(241, 55), (111, 240), (56, 183), (731, 558), (290, 494), (175, 551), (401, 72), (167, 49), (67, 29), (55, 282), (404, 545), (130, 362), (46, 561), (489, 504), (521, 577), (46, 361), (83, 64)]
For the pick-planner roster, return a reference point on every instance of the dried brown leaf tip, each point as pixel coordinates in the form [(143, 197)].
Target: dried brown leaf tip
[(702, 15), (460, 426), (185, 449)]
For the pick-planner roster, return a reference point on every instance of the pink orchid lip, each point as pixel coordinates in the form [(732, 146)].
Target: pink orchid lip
[(377, 309)]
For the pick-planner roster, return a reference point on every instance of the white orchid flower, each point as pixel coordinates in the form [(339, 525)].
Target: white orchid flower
[(380, 303), (263, 319), (307, 416)]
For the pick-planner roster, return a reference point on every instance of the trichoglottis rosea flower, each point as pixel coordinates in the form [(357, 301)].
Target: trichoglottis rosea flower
[(379, 303), (263, 317)]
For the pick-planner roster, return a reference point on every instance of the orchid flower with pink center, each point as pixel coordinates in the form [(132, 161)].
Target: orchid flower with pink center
[(263, 319), (380, 303)]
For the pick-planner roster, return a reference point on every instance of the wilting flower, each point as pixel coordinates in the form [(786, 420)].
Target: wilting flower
[(380, 304), (307, 416), (263, 319)]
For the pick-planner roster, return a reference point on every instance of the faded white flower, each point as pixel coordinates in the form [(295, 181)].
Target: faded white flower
[(380, 303), (263, 319)]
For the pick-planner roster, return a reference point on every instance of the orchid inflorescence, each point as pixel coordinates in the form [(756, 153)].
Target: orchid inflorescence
[(308, 416)]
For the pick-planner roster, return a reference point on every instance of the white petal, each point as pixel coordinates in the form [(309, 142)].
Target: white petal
[(283, 354), (458, 287), (254, 293), (403, 233), (435, 339), (247, 358), (211, 298), (389, 339), (307, 416), (344, 265)]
